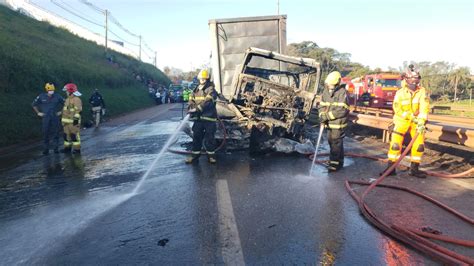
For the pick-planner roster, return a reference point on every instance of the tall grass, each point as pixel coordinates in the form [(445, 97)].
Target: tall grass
[(33, 53)]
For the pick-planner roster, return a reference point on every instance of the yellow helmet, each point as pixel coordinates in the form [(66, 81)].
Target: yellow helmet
[(203, 74), (49, 87), (334, 78)]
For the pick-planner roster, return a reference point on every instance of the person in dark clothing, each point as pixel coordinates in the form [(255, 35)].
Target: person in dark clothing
[(202, 108), (48, 106), (96, 99), (98, 106), (333, 112)]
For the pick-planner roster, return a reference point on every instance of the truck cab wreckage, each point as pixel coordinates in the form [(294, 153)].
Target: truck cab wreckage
[(273, 95)]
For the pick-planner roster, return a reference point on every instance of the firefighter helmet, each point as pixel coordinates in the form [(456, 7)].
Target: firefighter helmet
[(412, 77), (333, 79), (70, 87), (49, 87), (203, 74)]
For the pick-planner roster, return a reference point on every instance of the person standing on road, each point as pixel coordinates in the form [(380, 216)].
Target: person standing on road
[(202, 108), (158, 97), (186, 93), (410, 106), (48, 106), (333, 112), (98, 104), (71, 119)]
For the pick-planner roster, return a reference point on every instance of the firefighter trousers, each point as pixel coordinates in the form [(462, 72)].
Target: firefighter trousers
[(398, 134), (204, 131), (72, 136), (336, 146), (50, 127)]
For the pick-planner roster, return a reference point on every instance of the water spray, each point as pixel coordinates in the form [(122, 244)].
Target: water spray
[(169, 142), (321, 129)]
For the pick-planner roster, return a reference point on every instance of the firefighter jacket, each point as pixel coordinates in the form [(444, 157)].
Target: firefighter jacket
[(203, 98), (335, 105), (72, 110), (409, 104)]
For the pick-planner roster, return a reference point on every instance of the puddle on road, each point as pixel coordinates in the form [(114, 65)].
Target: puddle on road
[(147, 130)]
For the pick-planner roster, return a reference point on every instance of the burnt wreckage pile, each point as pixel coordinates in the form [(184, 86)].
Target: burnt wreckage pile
[(273, 95)]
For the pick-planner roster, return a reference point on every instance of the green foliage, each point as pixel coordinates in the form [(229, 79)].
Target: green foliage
[(33, 53), (440, 78), (329, 58)]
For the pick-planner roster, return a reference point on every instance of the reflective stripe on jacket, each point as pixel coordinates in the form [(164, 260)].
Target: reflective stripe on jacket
[(408, 104), (204, 98), (72, 109), (336, 106)]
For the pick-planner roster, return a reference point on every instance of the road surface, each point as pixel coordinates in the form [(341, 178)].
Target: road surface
[(262, 209)]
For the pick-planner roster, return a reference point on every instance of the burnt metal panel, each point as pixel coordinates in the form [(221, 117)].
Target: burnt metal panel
[(230, 39)]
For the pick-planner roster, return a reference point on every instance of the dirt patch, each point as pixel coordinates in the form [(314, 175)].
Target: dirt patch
[(438, 156)]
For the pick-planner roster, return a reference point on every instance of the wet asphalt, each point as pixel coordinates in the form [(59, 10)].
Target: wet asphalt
[(253, 209)]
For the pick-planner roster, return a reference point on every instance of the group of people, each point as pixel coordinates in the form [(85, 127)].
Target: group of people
[(410, 106), (55, 111)]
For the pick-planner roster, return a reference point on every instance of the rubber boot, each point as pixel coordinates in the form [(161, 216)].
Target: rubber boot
[(66, 150), (415, 170), (332, 168), (76, 151), (211, 159), (191, 159), (393, 172), (56, 150)]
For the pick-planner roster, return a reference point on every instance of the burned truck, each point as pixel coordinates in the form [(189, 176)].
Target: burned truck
[(272, 97)]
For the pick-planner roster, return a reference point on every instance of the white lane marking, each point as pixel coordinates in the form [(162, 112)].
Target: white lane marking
[(229, 235)]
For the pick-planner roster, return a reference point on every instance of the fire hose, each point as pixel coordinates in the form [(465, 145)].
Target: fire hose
[(224, 139), (414, 238)]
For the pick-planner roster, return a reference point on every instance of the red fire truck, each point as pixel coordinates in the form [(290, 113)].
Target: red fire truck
[(374, 90)]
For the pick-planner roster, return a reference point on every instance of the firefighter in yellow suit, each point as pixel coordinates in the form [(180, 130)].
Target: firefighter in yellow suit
[(71, 119), (411, 107)]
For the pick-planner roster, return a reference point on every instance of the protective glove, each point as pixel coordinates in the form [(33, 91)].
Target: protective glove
[(323, 118), (192, 111), (420, 128), (75, 122), (40, 114), (58, 113)]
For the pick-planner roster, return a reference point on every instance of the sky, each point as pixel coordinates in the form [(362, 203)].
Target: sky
[(382, 33)]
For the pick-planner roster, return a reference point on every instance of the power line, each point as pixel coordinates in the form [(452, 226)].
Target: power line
[(92, 6), (148, 47), (125, 41), (78, 11), (75, 14), (116, 22)]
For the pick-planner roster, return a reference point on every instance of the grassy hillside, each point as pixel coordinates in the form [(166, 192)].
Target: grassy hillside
[(33, 53)]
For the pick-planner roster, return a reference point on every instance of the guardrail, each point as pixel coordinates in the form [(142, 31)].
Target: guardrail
[(452, 134), (431, 117)]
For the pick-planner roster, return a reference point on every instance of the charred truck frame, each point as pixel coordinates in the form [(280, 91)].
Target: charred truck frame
[(273, 95)]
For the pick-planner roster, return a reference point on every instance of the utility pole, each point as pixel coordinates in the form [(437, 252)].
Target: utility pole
[(278, 7), (140, 51), (106, 29), (155, 60)]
